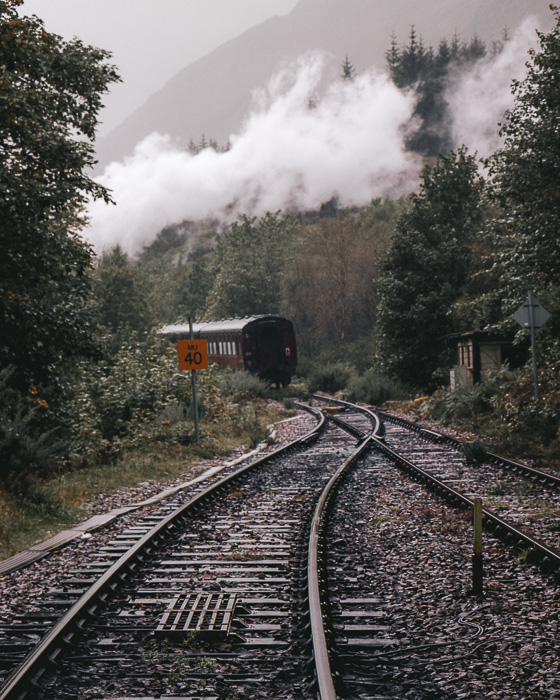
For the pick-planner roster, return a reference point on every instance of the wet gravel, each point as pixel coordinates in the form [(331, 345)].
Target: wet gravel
[(412, 554), (526, 503)]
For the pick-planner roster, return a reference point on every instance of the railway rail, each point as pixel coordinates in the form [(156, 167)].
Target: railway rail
[(175, 597), (525, 502), (274, 581)]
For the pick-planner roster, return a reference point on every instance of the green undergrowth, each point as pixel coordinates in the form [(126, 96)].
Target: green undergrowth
[(48, 505)]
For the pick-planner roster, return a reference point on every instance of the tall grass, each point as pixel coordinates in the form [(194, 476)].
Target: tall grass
[(50, 505)]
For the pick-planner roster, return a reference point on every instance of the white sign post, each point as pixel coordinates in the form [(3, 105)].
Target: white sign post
[(531, 316)]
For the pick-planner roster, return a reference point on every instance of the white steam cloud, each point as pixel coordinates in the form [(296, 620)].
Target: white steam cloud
[(293, 153), (479, 98)]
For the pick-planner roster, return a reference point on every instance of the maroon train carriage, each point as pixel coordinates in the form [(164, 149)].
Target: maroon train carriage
[(264, 345)]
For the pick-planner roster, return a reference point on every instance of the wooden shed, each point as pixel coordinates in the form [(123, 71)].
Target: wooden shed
[(477, 354)]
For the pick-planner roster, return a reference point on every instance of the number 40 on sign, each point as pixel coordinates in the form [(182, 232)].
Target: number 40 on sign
[(193, 354)]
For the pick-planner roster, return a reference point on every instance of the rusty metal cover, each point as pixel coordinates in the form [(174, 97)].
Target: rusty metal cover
[(208, 614)]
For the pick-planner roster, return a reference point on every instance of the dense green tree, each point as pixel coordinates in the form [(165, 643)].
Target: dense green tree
[(193, 293), (426, 268), (248, 266), (121, 292), (50, 95), (525, 183)]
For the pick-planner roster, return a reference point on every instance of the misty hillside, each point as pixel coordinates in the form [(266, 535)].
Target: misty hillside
[(213, 95)]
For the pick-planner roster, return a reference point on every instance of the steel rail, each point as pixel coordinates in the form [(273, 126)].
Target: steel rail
[(433, 436), (33, 666), (347, 427), (488, 517), (325, 681), (378, 428)]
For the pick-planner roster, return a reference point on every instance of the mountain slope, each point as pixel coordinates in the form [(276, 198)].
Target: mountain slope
[(213, 95)]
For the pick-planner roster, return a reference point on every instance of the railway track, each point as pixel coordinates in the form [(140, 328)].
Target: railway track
[(301, 575), (402, 621), (522, 504), (210, 595)]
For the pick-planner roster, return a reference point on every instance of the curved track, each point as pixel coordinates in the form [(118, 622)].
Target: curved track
[(522, 504), (266, 584), (236, 574)]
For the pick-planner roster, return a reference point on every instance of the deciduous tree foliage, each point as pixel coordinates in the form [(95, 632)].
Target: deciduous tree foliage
[(525, 185), (50, 92), (426, 268), (49, 98), (248, 265), (121, 292), (330, 285)]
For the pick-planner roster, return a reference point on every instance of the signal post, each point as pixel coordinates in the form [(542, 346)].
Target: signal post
[(193, 355)]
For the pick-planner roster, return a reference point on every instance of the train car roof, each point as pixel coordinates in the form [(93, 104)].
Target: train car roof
[(227, 325)]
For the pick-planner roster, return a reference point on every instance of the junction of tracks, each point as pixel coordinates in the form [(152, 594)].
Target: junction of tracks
[(335, 566)]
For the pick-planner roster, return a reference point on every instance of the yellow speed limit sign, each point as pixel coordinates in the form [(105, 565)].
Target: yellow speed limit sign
[(193, 354)]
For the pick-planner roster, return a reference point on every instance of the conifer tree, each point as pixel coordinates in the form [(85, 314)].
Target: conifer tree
[(348, 70), (524, 177)]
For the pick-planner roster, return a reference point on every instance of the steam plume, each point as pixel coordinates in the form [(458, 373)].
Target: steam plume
[(292, 152), (297, 151), (479, 98)]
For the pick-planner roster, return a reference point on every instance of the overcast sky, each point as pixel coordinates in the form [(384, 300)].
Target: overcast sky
[(150, 39)]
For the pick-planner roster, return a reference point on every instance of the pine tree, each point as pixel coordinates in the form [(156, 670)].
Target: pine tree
[(348, 70), (427, 71)]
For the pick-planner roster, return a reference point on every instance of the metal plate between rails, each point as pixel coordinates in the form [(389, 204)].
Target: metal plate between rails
[(207, 614)]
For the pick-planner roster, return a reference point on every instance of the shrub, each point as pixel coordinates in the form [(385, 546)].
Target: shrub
[(27, 448), (373, 388), (331, 378), (119, 402), (504, 411), (25, 451), (244, 384)]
